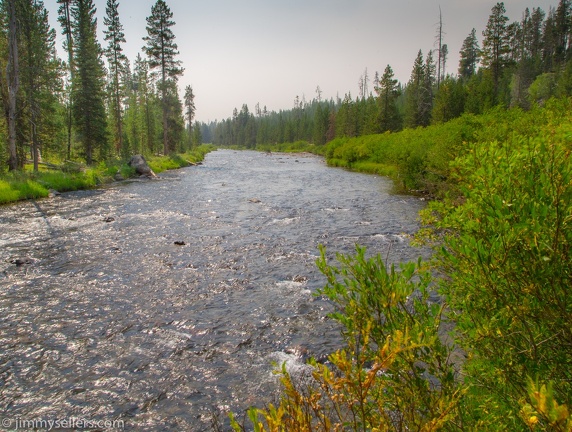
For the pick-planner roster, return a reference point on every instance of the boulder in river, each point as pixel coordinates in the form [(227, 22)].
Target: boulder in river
[(141, 167), (21, 261)]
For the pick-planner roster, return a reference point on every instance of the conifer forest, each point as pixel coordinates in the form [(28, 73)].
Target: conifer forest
[(477, 337)]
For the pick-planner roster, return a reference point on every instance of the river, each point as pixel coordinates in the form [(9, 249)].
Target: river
[(164, 303)]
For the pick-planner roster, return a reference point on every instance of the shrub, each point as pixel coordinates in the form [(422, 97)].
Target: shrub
[(396, 372), (508, 259)]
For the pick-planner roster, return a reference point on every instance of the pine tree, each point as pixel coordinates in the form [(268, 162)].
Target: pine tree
[(13, 83), (175, 120), (190, 110), (65, 20), (147, 104), (388, 92), (449, 100), (469, 56), (161, 51), (89, 82), (427, 94), (321, 115), (116, 60), (496, 44), (562, 31), (40, 72), (414, 93), (534, 35)]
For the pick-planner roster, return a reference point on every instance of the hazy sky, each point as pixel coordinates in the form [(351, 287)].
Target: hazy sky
[(270, 51)]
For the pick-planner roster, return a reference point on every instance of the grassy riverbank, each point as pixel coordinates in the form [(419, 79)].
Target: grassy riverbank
[(420, 160), (494, 353), (15, 186)]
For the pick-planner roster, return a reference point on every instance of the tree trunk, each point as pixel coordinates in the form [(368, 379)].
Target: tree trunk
[(12, 76), (68, 31)]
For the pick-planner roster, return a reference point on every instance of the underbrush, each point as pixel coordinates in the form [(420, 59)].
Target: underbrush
[(295, 147), (421, 158), (494, 353)]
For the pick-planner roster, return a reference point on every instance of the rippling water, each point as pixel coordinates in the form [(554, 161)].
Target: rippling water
[(107, 318)]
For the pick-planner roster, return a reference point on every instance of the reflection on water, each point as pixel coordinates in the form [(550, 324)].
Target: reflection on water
[(164, 303)]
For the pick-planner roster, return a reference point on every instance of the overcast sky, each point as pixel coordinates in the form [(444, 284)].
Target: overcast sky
[(270, 51)]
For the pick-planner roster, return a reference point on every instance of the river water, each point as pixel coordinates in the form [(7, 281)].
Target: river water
[(103, 316)]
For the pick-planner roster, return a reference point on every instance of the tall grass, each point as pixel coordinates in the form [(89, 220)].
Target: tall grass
[(26, 184)]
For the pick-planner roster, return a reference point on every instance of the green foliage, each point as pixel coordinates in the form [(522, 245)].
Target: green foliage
[(504, 270), (162, 163), (422, 157), (162, 51), (544, 412), (14, 189), (507, 254), (396, 373), (89, 83), (15, 186)]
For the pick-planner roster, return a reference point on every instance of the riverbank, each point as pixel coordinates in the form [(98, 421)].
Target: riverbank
[(16, 186), (502, 236)]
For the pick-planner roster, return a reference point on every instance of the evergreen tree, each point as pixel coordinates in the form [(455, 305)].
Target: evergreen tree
[(414, 93), (427, 94), (562, 31), (496, 44), (161, 51), (116, 60), (197, 134), (89, 82), (534, 33), (65, 20), (346, 118), (147, 106), (549, 42), (321, 116), (388, 91), (469, 56), (175, 120), (449, 100), (526, 39), (369, 115), (40, 73), (13, 83), (190, 110)]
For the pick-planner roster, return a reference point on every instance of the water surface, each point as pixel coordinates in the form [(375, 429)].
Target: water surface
[(110, 319)]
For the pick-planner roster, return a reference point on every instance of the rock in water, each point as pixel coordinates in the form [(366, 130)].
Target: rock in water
[(140, 164), (21, 261)]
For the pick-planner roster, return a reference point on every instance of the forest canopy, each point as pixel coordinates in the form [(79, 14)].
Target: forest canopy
[(508, 63), (94, 104)]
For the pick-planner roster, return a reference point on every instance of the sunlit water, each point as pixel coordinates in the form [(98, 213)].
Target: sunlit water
[(108, 318)]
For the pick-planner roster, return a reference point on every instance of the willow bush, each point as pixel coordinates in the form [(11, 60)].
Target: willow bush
[(507, 254), (396, 372), (503, 268)]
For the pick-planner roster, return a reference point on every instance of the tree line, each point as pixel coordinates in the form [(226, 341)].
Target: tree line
[(95, 104), (516, 64)]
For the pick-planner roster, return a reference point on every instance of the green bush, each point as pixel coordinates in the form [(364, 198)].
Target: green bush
[(503, 237), (396, 372), (507, 254)]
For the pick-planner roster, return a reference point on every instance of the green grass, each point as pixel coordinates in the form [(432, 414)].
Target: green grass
[(26, 184), (419, 160)]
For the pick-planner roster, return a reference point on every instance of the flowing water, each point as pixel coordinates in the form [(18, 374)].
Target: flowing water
[(103, 316)]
